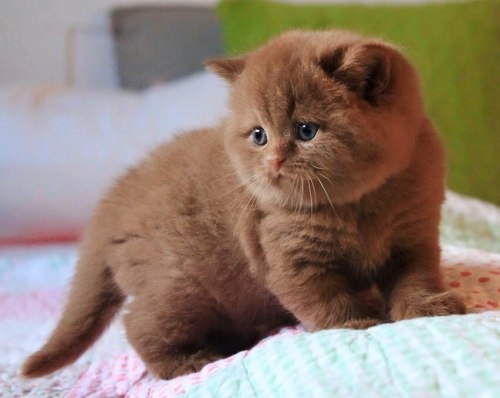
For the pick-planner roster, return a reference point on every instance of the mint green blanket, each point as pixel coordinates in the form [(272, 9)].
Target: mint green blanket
[(455, 356)]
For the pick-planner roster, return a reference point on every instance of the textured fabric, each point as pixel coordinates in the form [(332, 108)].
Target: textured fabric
[(428, 357), (422, 357), (454, 46), (470, 222), (443, 356)]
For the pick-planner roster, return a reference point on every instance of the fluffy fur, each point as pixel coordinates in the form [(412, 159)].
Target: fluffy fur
[(220, 240)]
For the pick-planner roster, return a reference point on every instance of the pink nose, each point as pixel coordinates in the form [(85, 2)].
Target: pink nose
[(275, 163)]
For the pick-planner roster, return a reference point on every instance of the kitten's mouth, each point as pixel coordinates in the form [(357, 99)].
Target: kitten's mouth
[(276, 179)]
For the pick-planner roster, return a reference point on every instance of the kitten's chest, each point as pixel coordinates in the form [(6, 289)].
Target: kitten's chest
[(361, 242), (348, 241)]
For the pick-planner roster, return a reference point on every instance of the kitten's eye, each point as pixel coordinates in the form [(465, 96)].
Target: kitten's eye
[(259, 136), (306, 131)]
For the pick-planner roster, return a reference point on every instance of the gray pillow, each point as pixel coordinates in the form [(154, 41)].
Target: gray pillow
[(161, 43)]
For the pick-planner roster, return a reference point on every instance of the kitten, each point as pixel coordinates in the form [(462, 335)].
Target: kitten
[(326, 179)]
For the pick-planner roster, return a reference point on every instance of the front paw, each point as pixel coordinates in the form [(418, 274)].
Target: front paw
[(439, 304), (361, 323)]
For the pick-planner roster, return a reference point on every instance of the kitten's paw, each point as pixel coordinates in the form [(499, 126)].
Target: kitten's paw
[(439, 304), (195, 363), (171, 368), (361, 323)]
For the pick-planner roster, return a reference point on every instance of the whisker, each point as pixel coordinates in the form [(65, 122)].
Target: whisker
[(309, 183), (224, 177), (315, 166), (331, 182), (249, 203), (298, 202), (314, 190), (301, 192), (240, 185), (326, 178), (326, 193)]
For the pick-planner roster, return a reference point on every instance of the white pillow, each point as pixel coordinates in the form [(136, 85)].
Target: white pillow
[(61, 148)]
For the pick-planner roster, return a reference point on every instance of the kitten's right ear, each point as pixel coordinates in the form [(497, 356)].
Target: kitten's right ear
[(227, 68), (366, 69)]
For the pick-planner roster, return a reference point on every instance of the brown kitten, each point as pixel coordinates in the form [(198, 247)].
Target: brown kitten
[(327, 179)]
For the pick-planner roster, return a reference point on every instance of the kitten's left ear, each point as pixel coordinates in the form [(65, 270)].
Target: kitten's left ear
[(366, 69), (227, 68)]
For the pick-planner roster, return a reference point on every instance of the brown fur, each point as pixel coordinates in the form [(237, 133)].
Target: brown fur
[(217, 248)]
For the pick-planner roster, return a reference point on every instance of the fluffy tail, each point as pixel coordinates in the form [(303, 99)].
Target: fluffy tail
[(93, 302)]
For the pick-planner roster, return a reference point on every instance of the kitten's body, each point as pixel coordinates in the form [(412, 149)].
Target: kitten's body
[(220, 240)]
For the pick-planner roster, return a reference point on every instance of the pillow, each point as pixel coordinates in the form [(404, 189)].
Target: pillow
[(163, 42), (454, 46), (60, 148)]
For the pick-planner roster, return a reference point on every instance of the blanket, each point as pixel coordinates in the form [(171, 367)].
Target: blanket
[(453, 356)]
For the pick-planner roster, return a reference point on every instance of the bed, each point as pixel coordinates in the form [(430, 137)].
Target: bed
[(449, 356), (443, 356), (64, 147)]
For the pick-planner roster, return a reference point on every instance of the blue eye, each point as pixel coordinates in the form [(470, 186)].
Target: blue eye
[(306, 131), (259, 136)]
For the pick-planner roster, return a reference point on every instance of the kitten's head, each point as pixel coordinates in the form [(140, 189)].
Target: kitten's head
[(320, 117)]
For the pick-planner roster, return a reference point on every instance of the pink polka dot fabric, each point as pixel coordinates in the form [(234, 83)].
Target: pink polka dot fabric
[(474, 275)]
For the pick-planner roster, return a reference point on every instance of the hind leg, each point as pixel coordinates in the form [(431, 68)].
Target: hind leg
[(168, 329)]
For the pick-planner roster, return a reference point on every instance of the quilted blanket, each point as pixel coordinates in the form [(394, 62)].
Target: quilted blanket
[(454, 356)]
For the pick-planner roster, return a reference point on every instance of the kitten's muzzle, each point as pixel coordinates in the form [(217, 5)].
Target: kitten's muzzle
[(275, 163)]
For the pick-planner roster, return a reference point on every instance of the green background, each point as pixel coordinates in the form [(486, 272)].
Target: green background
[(455, 47)]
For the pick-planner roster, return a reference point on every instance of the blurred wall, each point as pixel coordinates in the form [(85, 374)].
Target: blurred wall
[(61, 41), (68, 41)]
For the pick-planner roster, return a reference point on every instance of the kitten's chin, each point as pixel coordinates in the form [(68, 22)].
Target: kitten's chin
[(271, 190), (268, 191), (282, 192), (279, 181)]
